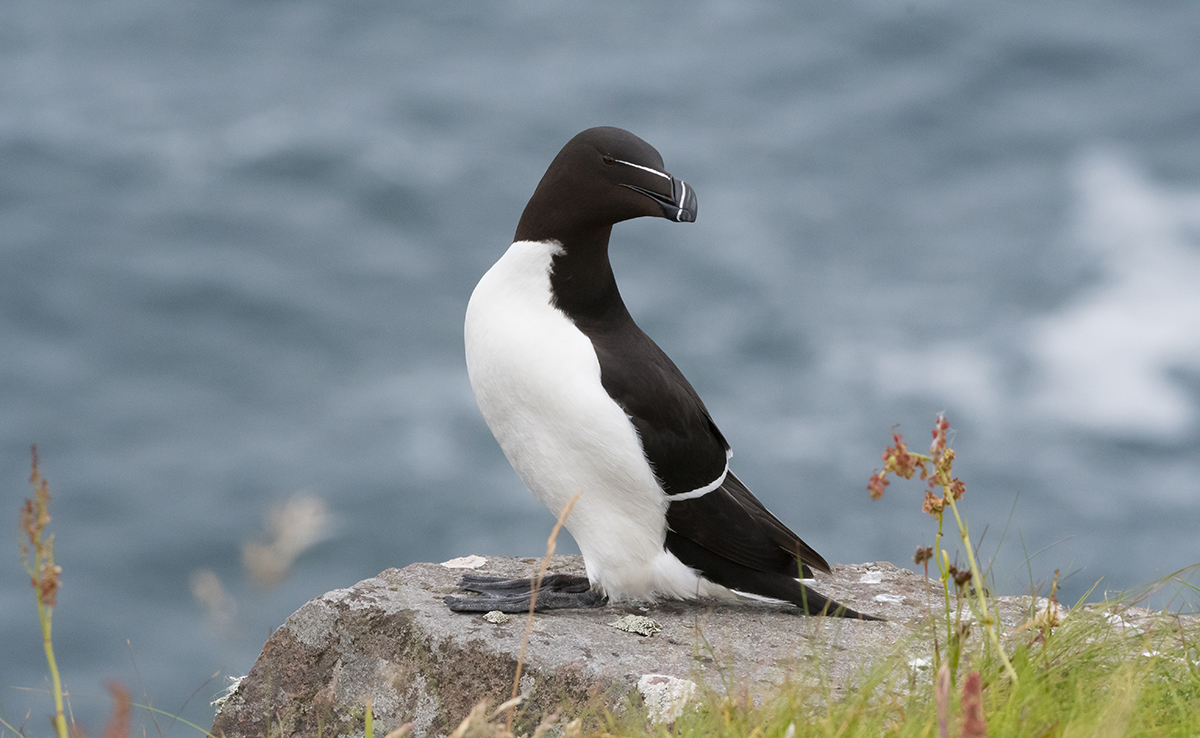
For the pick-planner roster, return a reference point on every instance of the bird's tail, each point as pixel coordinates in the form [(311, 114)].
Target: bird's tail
[(775, 585), (814, 603)]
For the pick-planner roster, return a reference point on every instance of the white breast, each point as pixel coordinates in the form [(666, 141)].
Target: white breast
[(537, 381)]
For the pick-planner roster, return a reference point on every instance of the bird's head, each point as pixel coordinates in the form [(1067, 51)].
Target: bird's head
[(603, 176)]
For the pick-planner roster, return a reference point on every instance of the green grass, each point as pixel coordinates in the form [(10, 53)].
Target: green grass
[(1087, 678)]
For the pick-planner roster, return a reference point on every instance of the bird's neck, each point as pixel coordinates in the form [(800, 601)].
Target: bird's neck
[(582, 281)]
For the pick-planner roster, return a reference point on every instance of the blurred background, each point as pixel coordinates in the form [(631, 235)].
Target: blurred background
[(237, 240)]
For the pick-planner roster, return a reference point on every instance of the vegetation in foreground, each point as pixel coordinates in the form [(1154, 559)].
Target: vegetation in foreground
[(1100, 669)]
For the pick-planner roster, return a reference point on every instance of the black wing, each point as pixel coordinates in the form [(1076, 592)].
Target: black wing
[(680, 440), (731, 523)]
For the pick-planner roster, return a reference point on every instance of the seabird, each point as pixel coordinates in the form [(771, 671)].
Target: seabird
[(580, 399)]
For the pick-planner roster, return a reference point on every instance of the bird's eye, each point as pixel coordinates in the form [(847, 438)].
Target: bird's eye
[(609, 160)]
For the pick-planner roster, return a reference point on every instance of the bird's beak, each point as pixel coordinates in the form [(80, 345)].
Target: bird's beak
[(679, 206)]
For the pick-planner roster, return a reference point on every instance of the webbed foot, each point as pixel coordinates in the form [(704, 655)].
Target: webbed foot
[(558, 591)]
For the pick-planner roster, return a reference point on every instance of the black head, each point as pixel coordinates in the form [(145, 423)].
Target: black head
[(601, 177)]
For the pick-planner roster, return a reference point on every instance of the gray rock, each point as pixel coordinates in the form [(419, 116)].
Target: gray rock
[(392, 639)]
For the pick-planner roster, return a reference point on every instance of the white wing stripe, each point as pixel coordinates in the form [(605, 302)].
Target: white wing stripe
[(703, 490)]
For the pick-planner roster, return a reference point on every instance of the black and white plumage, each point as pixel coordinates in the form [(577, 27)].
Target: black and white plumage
[(580, 399)]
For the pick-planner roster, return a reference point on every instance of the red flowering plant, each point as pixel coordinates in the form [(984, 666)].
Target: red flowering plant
[(38, 557), (942, 491)]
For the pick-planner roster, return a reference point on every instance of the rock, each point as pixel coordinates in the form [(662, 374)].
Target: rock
[(465, 562), (392, 639), (665, 696)]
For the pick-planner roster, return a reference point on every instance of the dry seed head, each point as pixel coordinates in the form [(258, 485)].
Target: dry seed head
[(118, 724), (48, 586), (941, 696), (961, 576), (933, 504), (939, 436), (27, 525), (944, 463), (972, 707), (876, 484), (896, 458)]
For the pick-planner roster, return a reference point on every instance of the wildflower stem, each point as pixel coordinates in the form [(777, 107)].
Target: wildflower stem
[(943, 563), (944, 568), (44, 575), (60, 721), (980, 595)]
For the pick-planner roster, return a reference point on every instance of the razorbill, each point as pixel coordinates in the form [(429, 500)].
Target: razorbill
[(580, 399)]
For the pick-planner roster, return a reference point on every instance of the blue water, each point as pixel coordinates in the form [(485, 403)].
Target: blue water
[(237, 241)]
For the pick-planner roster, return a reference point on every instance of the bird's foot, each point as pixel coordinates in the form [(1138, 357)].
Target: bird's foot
[(558, 591)]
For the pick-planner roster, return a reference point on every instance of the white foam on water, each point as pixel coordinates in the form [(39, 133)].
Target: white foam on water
[(1104, 360)]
